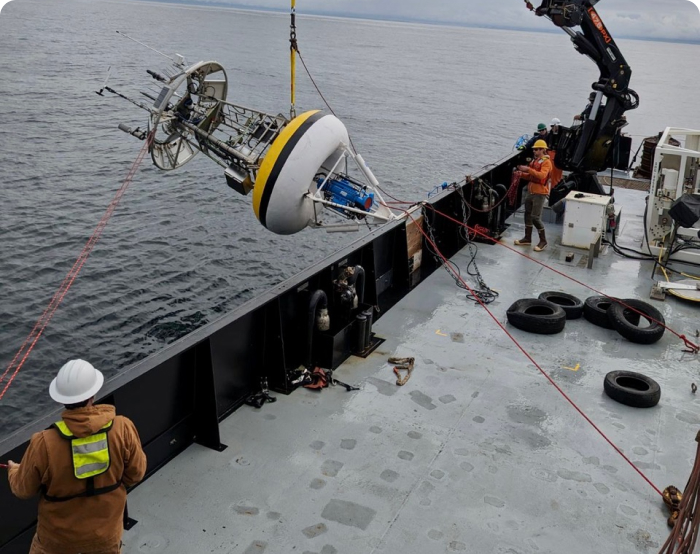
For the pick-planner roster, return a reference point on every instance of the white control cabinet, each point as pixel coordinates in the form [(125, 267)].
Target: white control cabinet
[(585, 217)]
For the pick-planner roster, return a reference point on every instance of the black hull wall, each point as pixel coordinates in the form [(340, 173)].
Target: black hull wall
[(179, 395)]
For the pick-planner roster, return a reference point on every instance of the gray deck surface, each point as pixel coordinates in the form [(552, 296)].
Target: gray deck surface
[(476, 453)]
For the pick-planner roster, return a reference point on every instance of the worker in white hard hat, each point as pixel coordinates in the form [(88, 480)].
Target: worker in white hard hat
[(537, 175), (552, 142), (81, 466)]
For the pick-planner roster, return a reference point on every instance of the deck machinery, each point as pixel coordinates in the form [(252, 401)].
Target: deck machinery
[(670, 232), (591, 147)]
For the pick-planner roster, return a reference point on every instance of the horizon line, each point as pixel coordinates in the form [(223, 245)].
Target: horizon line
[(387, 18)]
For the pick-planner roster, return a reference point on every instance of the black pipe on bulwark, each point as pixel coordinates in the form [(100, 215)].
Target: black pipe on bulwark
[(361, 343), (318, 297), (369, 314), (363, 319), (358, 275), (501, 190)]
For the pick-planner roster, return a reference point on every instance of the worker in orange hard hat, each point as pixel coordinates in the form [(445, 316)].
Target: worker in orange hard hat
[(537, 173)]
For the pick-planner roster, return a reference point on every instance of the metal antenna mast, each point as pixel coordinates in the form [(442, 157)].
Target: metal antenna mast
[(178, 61)]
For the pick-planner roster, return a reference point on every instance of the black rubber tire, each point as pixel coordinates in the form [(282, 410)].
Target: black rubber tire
[(632, 389), (572, 306), (537, 316), (595, 310), (626, 321)]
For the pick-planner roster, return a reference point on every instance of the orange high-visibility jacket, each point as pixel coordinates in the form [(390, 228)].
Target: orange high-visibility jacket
[(538, 175), (556, 174)]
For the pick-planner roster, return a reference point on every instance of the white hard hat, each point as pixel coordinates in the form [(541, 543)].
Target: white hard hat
[(556, 121), (76, 382)]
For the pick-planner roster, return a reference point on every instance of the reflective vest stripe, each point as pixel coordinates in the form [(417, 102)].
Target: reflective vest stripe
[(91, 469), (89, 448)]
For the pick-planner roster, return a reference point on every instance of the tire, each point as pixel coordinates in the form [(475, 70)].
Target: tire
[(595, 310), (537, 316), (572, 306), (632, 389), (626, 322)]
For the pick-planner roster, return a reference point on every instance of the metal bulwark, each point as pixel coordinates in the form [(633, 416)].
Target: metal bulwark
[(179, 395)]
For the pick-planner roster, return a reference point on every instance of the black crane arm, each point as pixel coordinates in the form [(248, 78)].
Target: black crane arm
[(586, 148)]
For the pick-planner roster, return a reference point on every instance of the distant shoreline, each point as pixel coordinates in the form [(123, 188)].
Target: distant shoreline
[(367, 17)]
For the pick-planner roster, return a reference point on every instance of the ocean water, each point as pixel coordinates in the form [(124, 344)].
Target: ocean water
[(423, 104)]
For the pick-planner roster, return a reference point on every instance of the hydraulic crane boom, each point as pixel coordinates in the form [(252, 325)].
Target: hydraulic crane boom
[(585, 149)]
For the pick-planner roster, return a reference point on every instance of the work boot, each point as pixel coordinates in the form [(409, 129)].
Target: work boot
[(527, 239), (543, 241)]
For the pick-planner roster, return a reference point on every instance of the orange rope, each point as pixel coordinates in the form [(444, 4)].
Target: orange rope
[(43, 321)]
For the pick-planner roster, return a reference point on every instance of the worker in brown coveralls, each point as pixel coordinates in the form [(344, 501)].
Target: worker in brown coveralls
[(81, 466), (538, 175)]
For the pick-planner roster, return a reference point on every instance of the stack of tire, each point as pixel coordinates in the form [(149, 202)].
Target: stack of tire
[(547, 315), (606, 313)]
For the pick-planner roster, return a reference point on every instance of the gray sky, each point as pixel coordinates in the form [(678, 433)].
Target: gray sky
[(660, 19)]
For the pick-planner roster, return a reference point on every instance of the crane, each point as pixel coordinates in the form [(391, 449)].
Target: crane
[(586, 149)]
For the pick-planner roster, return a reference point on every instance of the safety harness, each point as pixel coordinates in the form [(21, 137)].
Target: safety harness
[(90, 457)]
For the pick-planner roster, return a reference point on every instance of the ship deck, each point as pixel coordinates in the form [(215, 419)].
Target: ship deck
[(478, 452)]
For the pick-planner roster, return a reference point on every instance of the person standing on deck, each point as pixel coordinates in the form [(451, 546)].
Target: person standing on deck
[(81, 466), (538, 175), (552, 142)]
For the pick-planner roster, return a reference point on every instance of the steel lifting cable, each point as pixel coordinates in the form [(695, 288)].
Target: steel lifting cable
[(43, 321), (294, 49), (688, 343), (301, 59), (528, 356)]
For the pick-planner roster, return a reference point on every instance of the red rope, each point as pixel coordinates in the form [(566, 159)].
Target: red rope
[(513, 190), (692, 346), (479, 230), (28, 344), (527, 355)]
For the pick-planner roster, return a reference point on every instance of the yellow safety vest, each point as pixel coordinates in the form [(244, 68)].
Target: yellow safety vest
[(90, 454), (90, 458)]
